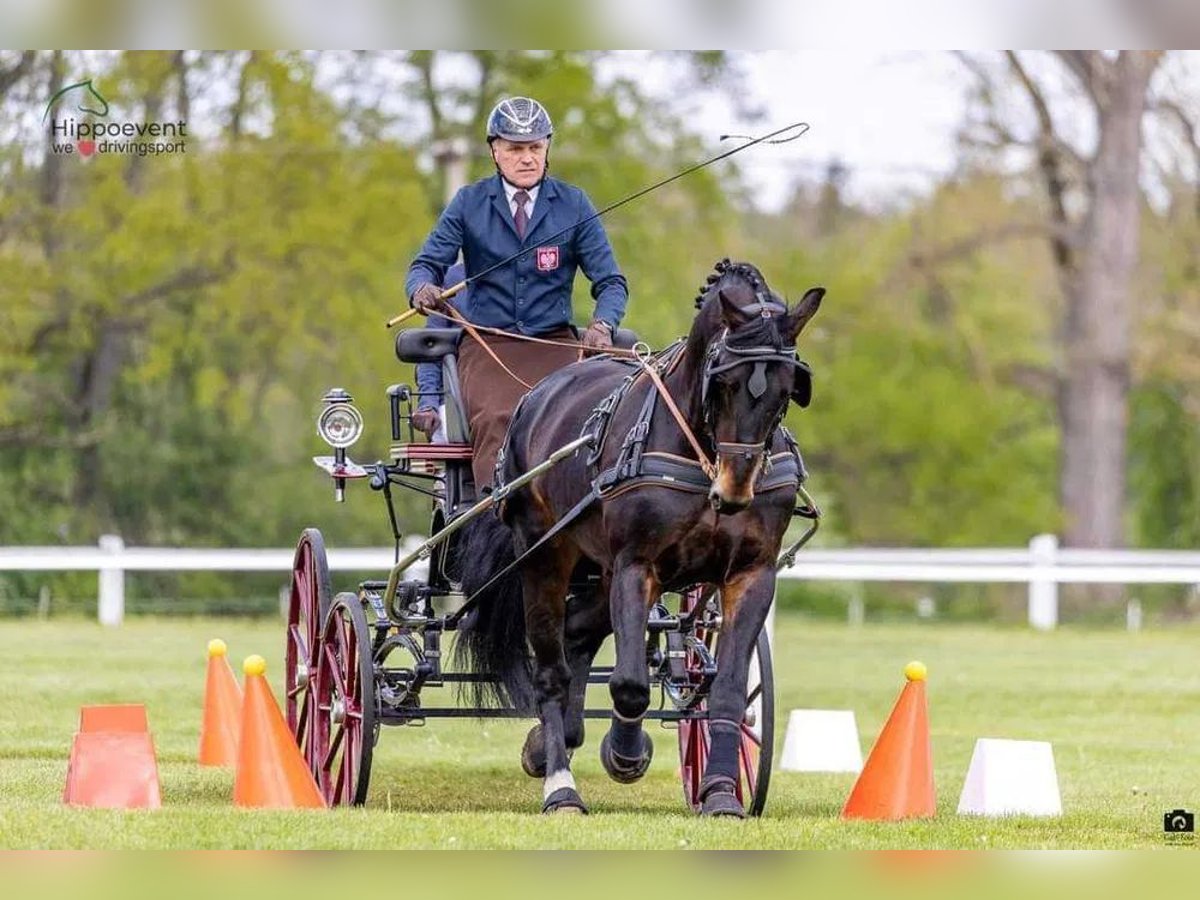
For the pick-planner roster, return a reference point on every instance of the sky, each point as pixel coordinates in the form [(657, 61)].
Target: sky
[(890, 117), (893, 117)]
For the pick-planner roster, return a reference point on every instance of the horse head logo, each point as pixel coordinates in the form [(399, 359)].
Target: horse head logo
[(89, 94)]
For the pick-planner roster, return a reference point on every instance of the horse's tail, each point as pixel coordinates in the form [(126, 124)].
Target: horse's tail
[(491, 638)]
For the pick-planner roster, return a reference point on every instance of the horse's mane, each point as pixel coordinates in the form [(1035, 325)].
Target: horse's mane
[(757, 331)]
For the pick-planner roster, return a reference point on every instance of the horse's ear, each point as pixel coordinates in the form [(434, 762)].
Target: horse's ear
[(731, 314), (798, 317)]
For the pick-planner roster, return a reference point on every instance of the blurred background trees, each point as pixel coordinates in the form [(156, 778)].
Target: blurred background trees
[(1009, 353)]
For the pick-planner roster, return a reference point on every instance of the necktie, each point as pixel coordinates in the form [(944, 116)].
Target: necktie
[(520, 219)]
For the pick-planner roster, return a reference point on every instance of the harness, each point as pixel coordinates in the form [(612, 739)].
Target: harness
[(636, 467)]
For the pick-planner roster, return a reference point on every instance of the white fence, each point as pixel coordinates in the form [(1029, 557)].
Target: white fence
[(1042, 566)]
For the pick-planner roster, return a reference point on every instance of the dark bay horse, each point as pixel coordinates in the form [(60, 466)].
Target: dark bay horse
[(731, 380)]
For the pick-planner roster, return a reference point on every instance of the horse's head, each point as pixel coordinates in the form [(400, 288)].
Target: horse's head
[(750, 371)]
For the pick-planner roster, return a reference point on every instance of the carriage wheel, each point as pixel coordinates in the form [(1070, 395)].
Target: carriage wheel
[(344, 727), (758, 727), (307, 606)]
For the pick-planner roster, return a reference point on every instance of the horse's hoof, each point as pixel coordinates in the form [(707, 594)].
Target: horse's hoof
[(723, 805), (717, 798), (622, 769), (565, 800), (533, 754)]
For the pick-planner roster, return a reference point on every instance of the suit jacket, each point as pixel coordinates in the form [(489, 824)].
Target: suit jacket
[(533, 294)]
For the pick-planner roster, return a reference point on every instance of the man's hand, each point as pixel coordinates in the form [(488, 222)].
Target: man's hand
[(598, 336), (428, 298), (426, 421)]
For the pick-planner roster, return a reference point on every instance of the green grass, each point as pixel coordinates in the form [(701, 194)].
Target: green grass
[(1123, 713)]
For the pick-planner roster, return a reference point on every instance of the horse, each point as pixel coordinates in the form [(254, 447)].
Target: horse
[(730, 380)]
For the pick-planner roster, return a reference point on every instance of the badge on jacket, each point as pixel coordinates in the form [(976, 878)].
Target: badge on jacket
[(547, 259)]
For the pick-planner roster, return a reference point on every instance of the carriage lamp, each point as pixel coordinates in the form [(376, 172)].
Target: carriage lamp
[(340, 423)]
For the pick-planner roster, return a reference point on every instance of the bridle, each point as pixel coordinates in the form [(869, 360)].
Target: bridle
[(723, 357)]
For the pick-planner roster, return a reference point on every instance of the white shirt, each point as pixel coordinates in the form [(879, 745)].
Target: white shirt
[(510, 191)]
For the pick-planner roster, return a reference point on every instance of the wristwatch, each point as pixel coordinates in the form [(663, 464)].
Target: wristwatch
[(603, 324)]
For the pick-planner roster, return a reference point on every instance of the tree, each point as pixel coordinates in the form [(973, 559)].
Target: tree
[(167, 324), (1092, 218)]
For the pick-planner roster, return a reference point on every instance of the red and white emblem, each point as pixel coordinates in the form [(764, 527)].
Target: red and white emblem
[(547, 259)]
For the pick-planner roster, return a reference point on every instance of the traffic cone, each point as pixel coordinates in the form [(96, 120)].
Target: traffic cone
[(897, 780), (222, 710), (270, 770), (112, 761), (127, 717)]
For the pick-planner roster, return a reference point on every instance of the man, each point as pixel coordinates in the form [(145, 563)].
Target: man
[(517, 209)]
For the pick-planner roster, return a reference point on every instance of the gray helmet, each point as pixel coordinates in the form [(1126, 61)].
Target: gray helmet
[(519, 119)]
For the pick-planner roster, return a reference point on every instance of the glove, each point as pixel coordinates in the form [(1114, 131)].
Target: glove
[(426, 421), (598, 336), (428, 298)]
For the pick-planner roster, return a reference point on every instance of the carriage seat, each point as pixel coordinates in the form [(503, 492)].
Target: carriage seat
[(428, 345)]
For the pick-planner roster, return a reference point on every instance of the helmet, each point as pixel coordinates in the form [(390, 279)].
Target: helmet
[(519, 119)]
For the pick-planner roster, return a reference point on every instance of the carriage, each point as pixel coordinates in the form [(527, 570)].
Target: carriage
[(357, 661)]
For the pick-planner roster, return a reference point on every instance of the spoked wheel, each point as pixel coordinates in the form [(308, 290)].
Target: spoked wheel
[(307, 606), (344, 727), (758, 726)]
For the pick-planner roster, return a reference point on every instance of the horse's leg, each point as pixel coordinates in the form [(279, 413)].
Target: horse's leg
[(545, 586), (626, 749), (587, 626), (744, 604)]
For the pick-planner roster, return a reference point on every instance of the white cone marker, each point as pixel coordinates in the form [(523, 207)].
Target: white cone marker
[(821, 740), (1011, 778)]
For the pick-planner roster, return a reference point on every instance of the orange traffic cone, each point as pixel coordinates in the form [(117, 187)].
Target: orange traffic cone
[(222, 710), (270, 770), (897, 780), (112, 760), (129, 717)]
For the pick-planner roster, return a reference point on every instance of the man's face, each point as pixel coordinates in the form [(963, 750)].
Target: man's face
[(521, 164)]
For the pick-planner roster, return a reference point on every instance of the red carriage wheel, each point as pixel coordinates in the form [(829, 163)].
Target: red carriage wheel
[(758, 726), (307, 605), (344, 727)]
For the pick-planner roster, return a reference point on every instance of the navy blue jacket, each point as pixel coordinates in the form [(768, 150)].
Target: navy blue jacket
[(429, 375), (533, 294)]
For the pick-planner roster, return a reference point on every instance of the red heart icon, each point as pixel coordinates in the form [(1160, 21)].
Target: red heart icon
[(87, 148)]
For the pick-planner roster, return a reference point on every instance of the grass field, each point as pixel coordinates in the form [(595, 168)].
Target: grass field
[(1122, 710)]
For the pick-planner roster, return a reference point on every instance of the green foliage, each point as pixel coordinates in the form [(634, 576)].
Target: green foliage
[(919, 433), (1164, 468), (168, 324)]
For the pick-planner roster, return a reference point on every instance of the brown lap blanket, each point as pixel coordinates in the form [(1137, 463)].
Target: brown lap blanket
[(491, 394)]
